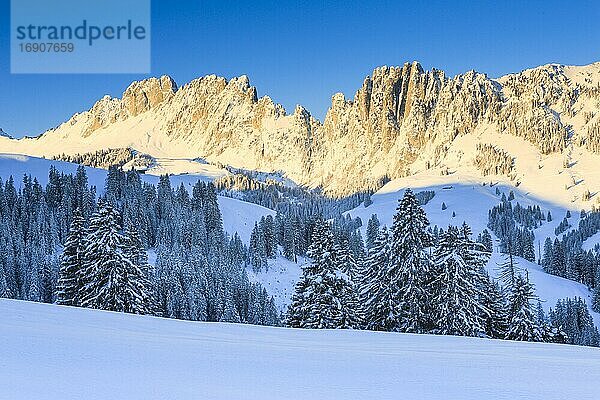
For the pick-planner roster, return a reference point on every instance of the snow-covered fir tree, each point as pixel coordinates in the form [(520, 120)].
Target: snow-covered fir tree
[(508, 271), (495, 304), (257, 250), (596, 299), (401, 302), (325, 296), (572, 319), (486, 240), (372, 231), (410, 265), (522, 323), (457, 291), (70, 278), (112, 281), (376, 295)]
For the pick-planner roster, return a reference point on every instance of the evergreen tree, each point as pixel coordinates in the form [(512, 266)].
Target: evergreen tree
[(496, 318), (547, 262), (409, 270), (70, 276), (558, 259), (4, 288), (112, 281), (457, 293), (289, 240), (325, 296), (257, 249), (268, 230), (376, 295), (508, 271), (230, 313), (486, 240), (372, 231), (574, 323), (135, 252), (596, 298), (522, 323), (528, 247)]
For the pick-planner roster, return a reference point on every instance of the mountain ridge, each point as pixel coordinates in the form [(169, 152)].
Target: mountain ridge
[(401, 120)]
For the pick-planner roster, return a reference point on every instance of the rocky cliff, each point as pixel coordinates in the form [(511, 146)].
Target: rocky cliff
[(400, 121)]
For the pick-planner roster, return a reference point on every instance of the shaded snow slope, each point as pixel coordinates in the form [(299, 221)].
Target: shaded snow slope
[(53, 352), (464, 195), (17, 165), (280, 279), (549, 288), (239, 216)]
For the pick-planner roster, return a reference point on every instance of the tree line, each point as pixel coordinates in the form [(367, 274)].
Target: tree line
[(59, 243), (409, 282)]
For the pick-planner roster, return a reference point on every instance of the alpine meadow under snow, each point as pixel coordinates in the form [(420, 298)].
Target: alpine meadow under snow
[(104, 353), (426, 208)]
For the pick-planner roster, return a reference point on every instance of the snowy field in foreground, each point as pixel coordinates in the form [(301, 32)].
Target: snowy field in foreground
[(53, 352)]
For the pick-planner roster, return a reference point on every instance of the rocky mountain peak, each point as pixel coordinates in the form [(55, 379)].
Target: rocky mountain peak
[(4, 134), (144, 95), (401, 120)]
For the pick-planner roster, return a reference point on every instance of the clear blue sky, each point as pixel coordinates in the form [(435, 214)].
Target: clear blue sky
[(303, 52)]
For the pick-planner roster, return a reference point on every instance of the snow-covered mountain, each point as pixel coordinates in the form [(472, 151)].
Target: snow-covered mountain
[(4, 134), (107, 354), (543, 123)]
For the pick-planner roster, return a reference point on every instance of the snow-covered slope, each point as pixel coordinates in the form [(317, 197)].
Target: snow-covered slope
[(470, 202), (52, 352), (4, 134), (17, 166), (280, 279), (238, 216)]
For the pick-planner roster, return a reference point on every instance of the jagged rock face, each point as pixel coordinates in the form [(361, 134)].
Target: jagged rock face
[(400, 119), (139, 97), (219, 119), (535, 99), (399, 111), (143, 96)]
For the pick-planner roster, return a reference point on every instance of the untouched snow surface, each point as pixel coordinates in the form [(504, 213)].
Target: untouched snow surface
[(56, 352), (239, 216), (16, 165)]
